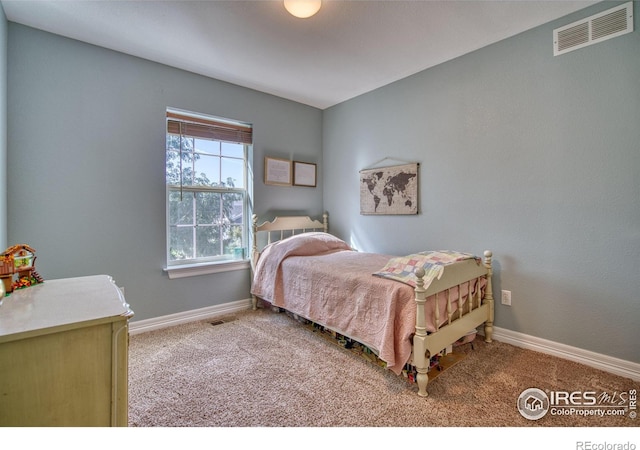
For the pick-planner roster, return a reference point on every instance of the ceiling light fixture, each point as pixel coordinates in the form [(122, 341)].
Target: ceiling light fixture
[(302, 8)]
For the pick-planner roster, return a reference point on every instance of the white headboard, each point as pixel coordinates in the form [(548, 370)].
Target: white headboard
[(282, 227)]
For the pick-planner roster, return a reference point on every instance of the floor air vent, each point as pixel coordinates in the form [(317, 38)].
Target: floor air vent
[(221, 321), (608, 24)]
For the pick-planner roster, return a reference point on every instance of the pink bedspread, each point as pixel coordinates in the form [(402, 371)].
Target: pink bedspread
[(318, 277)]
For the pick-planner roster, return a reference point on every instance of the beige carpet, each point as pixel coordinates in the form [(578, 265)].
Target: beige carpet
[(263, 369)]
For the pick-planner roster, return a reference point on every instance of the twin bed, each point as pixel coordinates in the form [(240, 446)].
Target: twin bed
[(406, 309)]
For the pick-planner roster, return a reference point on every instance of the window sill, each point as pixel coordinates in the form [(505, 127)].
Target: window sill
[(192, 270)]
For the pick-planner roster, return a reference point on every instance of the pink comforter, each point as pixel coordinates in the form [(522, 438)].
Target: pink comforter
[(319, 277)]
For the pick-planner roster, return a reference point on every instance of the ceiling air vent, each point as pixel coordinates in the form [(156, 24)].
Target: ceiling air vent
[(606, 25)]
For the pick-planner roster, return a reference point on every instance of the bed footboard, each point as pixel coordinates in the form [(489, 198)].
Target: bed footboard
[(474, 313)]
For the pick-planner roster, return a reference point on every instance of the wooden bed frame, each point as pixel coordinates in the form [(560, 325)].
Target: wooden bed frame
[(475, 312)]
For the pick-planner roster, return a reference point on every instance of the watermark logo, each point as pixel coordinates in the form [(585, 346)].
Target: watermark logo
[(589, 445), (534, 403)]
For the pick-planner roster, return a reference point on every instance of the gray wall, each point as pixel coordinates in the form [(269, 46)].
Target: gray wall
[(3, 130), (533, 156), (86, 164)]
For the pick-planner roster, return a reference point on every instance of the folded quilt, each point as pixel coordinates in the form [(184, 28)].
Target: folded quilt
[(402, 268)]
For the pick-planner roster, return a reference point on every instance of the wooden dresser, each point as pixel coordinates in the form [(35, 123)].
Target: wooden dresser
[(64, 354)]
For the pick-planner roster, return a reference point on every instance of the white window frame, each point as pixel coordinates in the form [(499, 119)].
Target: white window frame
[(216, 264)]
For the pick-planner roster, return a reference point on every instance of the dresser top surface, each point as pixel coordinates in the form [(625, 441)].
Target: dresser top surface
[(59, 303)]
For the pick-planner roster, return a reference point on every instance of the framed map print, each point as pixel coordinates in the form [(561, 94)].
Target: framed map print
[(389, 190)]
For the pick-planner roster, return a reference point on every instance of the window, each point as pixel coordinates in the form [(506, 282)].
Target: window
[(207, 191)]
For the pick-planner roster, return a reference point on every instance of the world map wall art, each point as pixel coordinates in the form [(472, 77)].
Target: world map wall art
[(389, 190)]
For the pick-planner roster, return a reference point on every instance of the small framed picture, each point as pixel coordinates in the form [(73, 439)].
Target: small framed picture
[(277, 171), (304, 174)]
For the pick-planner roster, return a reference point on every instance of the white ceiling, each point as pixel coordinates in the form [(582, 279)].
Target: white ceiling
[(347, 49)]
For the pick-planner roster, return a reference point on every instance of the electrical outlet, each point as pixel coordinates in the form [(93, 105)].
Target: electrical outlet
[(506, 298)]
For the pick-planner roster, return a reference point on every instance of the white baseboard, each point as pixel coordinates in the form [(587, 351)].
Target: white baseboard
[(157, 323), (596, 360), (609, 364)]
